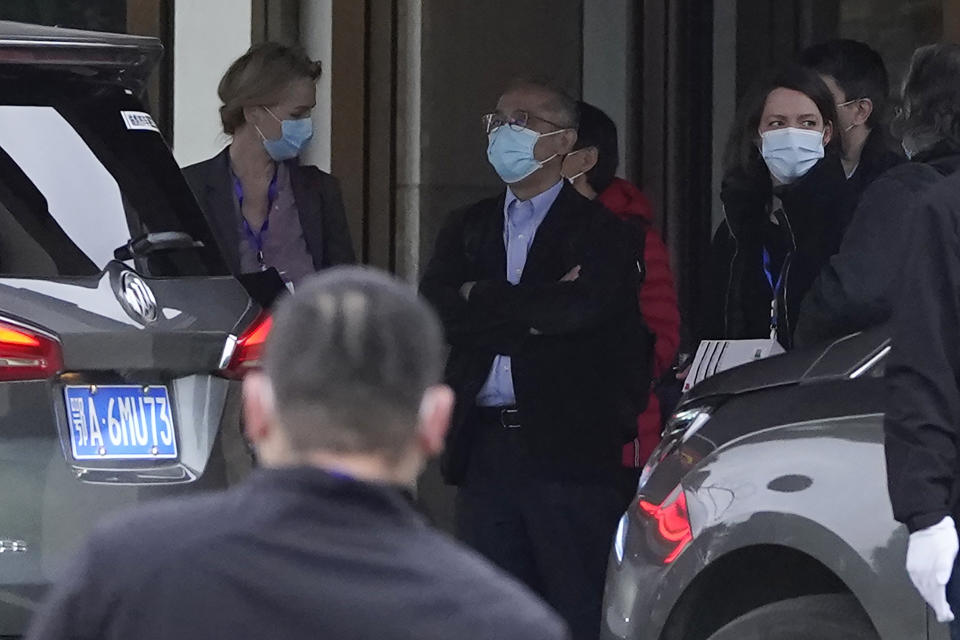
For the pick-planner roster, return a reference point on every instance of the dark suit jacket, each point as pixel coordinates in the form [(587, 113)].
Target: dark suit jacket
[(319, 204), (289, 554), (574, 397)]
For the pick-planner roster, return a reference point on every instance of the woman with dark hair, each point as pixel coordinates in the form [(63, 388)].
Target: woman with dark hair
[(853, 292), (264, 207), (781, 200)]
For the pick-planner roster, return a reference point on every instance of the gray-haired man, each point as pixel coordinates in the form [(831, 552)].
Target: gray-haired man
[(321, 542)]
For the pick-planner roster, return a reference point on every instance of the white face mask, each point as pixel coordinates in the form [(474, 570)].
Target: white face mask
[(790, 153), (847, 104), (572, 178)]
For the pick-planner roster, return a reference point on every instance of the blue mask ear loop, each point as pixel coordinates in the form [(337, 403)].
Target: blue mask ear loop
[(572, 153), (775, 288), (547, 135), (267, 109)]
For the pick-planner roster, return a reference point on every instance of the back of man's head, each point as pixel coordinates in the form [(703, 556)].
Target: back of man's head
[(930, 98), (598, 130), (856, 68), (349, 358)]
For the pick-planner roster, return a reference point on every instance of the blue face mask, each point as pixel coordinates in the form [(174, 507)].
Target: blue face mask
[(510, 152), (790, 152), (295, 134)]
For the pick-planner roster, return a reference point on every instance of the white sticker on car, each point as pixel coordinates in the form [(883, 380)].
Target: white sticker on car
[(139, 121)]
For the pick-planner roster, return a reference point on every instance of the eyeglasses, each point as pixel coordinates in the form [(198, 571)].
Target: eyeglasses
[(517, 121), (849, 102)]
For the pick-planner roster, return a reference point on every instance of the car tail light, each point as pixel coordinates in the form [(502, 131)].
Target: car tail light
[(27, 355), (249, 348), (670, 524)]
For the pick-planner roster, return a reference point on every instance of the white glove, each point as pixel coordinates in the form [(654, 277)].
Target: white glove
[(930, 557)]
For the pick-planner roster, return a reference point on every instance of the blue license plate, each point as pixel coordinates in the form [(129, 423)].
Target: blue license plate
[(120, 422)]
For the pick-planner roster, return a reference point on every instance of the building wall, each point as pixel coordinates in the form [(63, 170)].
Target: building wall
[(208, 36), (408, 139), (609, 64), (896, 27), (724, 93), (316, 29)]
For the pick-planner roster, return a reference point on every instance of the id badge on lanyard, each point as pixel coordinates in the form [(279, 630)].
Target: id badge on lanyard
[(775, 288), (256, 239)]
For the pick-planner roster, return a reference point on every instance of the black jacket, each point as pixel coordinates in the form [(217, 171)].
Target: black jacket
[(876, 158), (738, 295), (289, 554), (852, 292), (923, 369), (576, 399), (319, 204)]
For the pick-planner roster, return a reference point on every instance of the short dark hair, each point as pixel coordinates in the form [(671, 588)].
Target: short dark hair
[(598, 130), (561, 102), (258, 77), (741, 150), (349, 357), (857, 69), (930, 99)]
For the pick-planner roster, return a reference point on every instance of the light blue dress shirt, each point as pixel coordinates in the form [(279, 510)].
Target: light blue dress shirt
[(521, 219)]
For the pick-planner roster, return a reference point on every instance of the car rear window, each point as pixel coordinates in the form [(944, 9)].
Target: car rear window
[(82, 171)]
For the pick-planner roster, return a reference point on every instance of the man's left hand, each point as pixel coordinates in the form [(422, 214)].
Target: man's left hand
[(930, 557)]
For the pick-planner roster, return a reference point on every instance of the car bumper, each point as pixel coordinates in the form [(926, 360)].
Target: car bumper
[(48, 505), (634, 603)]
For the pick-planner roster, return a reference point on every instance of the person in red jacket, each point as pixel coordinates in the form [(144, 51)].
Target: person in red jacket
[(591, 169)]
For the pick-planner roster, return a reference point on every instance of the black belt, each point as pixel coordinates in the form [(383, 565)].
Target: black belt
[(506, 417)]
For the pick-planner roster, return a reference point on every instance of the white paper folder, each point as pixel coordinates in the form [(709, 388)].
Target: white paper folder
[(714, 356)]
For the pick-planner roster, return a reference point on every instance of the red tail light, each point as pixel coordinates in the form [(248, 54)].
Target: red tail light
[(27, 355), (672, 524), (249, 349)]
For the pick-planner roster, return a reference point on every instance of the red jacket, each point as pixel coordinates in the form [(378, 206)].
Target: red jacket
[(658, 305)]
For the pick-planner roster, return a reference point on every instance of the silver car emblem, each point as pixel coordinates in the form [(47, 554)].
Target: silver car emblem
[(138, 297)]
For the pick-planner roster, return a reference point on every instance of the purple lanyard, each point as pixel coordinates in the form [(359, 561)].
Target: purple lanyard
[(257, 238)]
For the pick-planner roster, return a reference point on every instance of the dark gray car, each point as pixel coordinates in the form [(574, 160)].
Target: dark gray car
[(121, 332), (764, 512)]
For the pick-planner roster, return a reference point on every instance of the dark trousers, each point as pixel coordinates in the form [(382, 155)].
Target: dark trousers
[(553, 535)]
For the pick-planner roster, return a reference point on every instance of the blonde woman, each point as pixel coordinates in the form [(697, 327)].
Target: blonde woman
[(265, 208)]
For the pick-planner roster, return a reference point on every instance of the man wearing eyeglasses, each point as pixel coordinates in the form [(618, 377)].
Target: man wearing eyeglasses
[(849, 295), (535, 288)]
